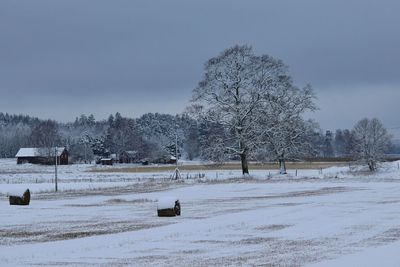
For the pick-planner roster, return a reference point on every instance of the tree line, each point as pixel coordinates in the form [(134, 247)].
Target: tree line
[(246, 107)]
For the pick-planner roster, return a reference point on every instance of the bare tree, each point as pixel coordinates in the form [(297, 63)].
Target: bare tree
[(371, 141), (45, 134), (284, 133), (233, 92)]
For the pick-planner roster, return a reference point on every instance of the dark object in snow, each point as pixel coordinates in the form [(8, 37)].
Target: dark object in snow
[(108, 161), (172, 211), (24, 200)]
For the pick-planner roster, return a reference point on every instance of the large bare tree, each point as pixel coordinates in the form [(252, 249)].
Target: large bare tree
[(284, 133), (45, 134), (371, 141), (234, 92)]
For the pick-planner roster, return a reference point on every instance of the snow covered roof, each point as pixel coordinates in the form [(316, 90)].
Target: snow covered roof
[(38, 152), (166, 203)]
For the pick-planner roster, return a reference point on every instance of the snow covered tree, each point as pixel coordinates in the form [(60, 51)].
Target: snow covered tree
[(191, 143), (232, 93), (80, 152), (348, 139), (251, 97), (45, 134), (284, 133), (343, 142), (339, 143), (213, 141), (328, 144), (99, 149), (371, 141), (12, 138)]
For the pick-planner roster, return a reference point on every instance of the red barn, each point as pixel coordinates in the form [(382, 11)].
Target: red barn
[(45, 156)]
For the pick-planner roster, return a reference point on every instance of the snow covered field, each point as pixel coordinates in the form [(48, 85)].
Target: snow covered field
[(333, 218)]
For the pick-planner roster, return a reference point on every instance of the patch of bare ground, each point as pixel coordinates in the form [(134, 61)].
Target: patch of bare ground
[(288, 204), (266, 251), (146, 261), (190, 251), (124, 201), (209, 241), (225, 166), (273, 227), (388, 236), (18, 234), (282, 252), (261, 251), (114, 201), (393, 201), (61, 263), (145, 187), (21, 235), (305, 193), (358, 228), (253, 241)]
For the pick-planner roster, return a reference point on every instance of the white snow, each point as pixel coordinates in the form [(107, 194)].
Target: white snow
[(334, 218)]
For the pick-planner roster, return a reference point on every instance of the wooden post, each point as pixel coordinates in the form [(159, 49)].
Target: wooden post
[(55, 170), (176, 149)]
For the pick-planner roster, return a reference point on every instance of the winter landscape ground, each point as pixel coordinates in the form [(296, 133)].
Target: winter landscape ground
[(338, 217)]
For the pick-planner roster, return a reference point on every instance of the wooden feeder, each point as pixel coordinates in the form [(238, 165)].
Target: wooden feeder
[(24, 200), (168, 207)]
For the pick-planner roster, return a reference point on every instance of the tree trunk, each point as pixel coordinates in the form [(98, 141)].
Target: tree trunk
[(371, 165), (245, 166), (243, 155), (282, 166)]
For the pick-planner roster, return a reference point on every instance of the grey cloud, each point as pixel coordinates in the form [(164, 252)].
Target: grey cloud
[(99, 56)]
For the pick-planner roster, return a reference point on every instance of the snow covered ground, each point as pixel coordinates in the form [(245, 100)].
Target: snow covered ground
[(333, 218)]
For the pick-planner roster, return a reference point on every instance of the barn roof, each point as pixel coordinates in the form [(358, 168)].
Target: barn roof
[(38, 152)]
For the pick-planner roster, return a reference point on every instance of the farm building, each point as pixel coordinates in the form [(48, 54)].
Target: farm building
[(107, 161), (172, 160), (42, 155)]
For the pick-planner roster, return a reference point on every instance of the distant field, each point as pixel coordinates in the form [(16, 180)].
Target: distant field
[(225, 166)]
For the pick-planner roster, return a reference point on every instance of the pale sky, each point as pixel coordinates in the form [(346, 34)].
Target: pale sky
[(59, 59)]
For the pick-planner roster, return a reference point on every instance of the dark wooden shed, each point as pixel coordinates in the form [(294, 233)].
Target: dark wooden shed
[(107, 161)]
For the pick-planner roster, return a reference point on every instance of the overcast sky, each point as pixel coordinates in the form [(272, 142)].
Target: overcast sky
[(59, 59)]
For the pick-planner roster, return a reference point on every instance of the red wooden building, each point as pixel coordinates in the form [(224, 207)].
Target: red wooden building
[(44, 156)]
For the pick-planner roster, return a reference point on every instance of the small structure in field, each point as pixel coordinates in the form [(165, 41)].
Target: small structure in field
[(23, 201), (44, 155), (168, 207), (107, 161), (172, 160)]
